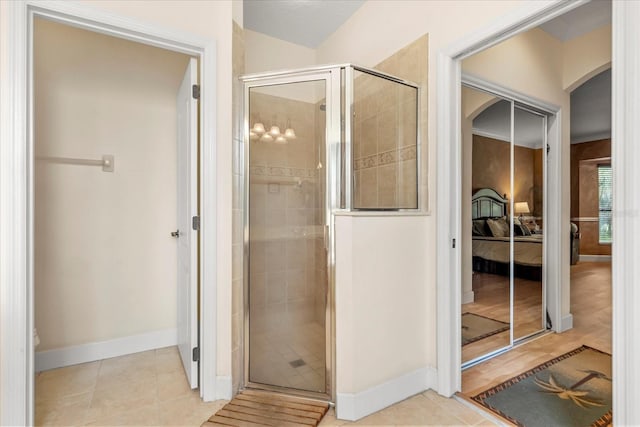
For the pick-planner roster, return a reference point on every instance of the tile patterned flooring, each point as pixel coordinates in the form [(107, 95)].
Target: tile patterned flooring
[(149, 388), (274, 354)]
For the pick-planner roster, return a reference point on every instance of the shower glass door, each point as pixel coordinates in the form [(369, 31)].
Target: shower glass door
[(286, 332)]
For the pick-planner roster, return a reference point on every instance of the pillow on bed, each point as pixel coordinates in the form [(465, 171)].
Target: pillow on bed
[(520, 229), (498, 227), (479, 227)]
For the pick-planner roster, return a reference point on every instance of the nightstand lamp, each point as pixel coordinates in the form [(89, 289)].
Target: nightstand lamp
[(521, 208)]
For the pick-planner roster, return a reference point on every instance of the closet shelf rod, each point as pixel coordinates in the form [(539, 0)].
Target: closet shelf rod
[(107, 161)]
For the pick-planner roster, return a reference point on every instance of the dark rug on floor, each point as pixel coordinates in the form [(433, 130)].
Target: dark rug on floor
[(570, 390), (476, 327), (260, 408)]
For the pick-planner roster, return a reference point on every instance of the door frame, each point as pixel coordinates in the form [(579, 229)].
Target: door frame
[(17, 186), (625, 155), (331, 76)]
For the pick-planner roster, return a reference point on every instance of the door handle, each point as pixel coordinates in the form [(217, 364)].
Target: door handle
[(175, 233)]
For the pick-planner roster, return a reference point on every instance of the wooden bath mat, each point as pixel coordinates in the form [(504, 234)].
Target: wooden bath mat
[(259, 408)]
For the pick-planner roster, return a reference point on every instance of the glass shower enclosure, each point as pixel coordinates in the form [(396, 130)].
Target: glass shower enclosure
[(300, 168)]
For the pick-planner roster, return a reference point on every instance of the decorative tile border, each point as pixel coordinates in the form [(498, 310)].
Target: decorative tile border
[(282, 171), (386, 158)]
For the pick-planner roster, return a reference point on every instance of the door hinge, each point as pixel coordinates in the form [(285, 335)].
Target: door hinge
[(548, 148), (195, 223), (195, 91), (453, 243), (196, 354)]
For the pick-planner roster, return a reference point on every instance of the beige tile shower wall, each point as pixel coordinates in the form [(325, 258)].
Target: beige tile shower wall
[(385, 143), (411, 63), (237, 246), (384, 131), (284, 235)]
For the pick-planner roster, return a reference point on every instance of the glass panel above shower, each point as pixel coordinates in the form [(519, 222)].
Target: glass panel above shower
[(385, 143)]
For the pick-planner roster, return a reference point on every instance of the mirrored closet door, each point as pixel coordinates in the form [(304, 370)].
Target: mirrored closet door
[(529, 316), (503, 295)]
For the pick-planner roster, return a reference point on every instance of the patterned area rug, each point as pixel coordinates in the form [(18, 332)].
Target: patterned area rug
[(258, 408), (476, 327), (571, 390)]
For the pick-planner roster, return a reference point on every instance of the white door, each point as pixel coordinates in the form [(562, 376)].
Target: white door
[(187, 237)]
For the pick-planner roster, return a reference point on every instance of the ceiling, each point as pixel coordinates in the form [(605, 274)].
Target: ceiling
[(579, 21), (591, 109), (311, 22), (304, 22), (495, 122)]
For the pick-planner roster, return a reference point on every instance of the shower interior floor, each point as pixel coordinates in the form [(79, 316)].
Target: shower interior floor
[(289, 357)]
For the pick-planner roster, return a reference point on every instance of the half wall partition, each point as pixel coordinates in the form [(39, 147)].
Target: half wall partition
[(317, 141)]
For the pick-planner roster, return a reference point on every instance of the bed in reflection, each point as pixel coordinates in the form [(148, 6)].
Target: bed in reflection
[(491, 236)]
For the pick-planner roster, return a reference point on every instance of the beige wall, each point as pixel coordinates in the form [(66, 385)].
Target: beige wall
[(266, 53), (381, 300), (211, 20), (105, 265), (585, 56)]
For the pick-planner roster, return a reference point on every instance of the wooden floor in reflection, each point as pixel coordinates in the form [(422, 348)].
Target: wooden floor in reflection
[(591, 310), (491, 299)]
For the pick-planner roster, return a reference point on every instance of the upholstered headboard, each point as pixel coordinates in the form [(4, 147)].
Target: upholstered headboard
[(487, 203)]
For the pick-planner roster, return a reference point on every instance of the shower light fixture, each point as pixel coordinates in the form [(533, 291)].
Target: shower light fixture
[(259, 133), (274, 131), (289, 133), (258, 128)]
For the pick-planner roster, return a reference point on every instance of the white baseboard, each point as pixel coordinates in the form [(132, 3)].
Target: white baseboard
[(224, 387), (566, 323), (468, 297), (594, 258), (60, 357), (353, 406)]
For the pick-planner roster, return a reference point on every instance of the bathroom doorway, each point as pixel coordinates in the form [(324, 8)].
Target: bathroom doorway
[(115, 189)]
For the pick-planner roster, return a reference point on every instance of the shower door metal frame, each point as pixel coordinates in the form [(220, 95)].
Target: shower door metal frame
[(332, 78)]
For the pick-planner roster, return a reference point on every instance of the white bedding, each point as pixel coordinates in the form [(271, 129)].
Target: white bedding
[(527, 250)]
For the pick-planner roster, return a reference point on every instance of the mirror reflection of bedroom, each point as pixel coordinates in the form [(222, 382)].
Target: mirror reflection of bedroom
[(503, 295)]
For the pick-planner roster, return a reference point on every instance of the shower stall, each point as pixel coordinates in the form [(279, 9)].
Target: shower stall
[(317, 142)]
